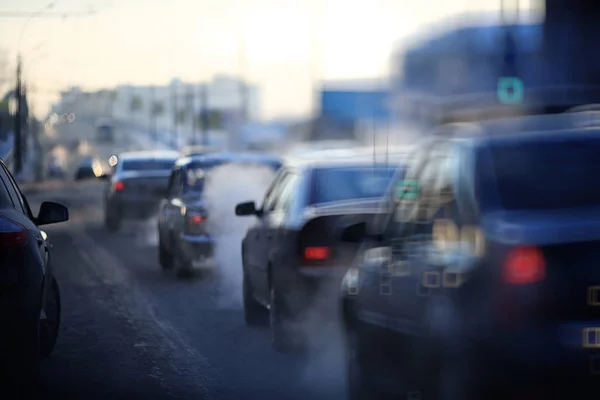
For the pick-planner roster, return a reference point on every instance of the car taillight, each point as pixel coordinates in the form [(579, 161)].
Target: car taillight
[(524, 266), (119, 186), (11, 233), (195, 223), (317, 253)]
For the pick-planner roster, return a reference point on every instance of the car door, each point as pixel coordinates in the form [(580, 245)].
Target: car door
[(384, 289), (169, 207), (422, 277), (263, 237), (25, 217)]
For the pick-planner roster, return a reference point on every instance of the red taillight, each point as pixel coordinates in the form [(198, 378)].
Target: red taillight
[(523, 266), (316, 253), (196, 219), (11, 233), (195, 223), (119, 185)]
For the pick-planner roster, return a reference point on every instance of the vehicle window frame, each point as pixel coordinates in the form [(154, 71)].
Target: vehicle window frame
[(175, 176), (23, 206), (271, 193), (10, 199), (284, 199)]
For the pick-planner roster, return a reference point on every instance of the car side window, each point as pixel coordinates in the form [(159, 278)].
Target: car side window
[(175, 183), (5, 196), (286, 194), (273, 191), (15, 193)]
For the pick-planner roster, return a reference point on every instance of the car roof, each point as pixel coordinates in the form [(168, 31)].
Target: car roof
[(357, 156), (149, 154), (230, 157)]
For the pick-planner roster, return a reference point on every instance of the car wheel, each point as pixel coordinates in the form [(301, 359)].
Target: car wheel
[(359, 385), (50, 326), (254, 313), (280, 339), (164, 257), (182, 268), (112, 222)]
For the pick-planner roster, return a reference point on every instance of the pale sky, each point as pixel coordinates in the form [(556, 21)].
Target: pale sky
[(287, 43)]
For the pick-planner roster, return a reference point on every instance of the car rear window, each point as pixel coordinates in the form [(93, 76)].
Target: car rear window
[(196, 171), (147, 165), (350, 183), (547, 173)]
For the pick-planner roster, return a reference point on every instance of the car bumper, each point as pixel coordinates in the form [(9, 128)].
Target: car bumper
[(198, 250), (137, 209)]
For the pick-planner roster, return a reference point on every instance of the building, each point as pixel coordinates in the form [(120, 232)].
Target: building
[(177, 108)]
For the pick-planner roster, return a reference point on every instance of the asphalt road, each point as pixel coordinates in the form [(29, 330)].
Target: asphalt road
[(130, 330)]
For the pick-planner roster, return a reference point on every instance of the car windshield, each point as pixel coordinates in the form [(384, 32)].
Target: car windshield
[(147, 165), (349, 183), (547, 173)]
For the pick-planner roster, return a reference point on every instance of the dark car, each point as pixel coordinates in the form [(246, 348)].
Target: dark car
[(290, 260), (134, 190), (29, 293), (482, 279), (184, 243), (105, 133)]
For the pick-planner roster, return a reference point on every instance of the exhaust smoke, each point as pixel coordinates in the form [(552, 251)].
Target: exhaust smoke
[(225, 187)]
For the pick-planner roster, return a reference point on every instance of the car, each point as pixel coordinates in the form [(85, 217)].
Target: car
[(137, 184), (184, 242), (90, 167), (105, 133), (29, 291), (483, 270), (198, 150), (290, 260)]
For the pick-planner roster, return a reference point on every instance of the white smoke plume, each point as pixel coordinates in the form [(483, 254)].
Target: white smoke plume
[(225, 187)]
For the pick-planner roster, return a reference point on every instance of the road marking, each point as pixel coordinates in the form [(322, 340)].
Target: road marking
[(111, 271)]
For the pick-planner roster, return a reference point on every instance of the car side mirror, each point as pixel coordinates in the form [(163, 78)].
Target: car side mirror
[(51, 213), (246, 209)]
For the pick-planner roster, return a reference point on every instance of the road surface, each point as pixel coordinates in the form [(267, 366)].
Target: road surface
[(130, 330)]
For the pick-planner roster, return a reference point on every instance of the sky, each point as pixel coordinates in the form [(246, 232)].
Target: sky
[(283, 46)]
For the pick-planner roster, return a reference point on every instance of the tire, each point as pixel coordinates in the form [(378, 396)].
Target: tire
[(49, 328), (359, 384), (254, 313), (182, 268), (280, 340), (165, 258), (112, 222)]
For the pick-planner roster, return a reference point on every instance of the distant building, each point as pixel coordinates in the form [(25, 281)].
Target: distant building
[(179, 106)]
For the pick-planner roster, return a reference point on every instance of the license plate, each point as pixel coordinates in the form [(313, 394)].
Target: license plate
[(591, 338)]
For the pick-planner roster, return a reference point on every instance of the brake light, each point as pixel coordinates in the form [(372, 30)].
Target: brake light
[(196, 219), (195, 223), (524, 266), (119, 186), (316, 253), (11, 233)]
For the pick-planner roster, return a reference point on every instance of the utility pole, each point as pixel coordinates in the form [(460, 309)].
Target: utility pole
[(175, 120), (17, 122), (153, 114), (204, 113), (190, 111)]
